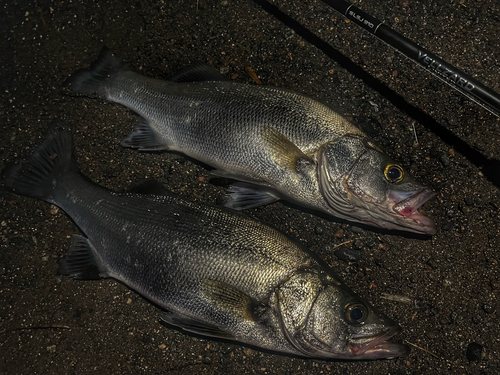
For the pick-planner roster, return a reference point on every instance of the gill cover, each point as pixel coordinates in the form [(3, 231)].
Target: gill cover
[(337, 160), (296, 298)]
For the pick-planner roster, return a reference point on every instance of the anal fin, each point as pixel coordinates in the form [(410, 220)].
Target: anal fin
[(145, 138), (242, 196), (80, 262)]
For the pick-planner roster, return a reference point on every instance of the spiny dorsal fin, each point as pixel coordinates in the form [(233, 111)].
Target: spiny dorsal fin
[(198, 72)]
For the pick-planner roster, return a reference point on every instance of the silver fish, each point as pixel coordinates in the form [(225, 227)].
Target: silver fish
[(216, 272), (279, 143)]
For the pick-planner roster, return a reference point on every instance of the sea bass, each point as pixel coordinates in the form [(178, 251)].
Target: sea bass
[(216, 272), (280, 144)]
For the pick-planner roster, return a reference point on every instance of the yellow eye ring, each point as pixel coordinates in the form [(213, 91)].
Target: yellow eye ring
[(394, 173), (356, 313)]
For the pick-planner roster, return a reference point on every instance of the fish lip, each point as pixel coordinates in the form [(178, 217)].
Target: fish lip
[(379, 347), (406, 205)]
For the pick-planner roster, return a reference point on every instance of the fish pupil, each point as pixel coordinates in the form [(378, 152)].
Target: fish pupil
[(394, 173), (356, 314)]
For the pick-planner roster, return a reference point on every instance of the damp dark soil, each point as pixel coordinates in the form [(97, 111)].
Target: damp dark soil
[(450, 312)]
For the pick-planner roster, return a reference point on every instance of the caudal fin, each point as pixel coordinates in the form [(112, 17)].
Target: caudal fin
[(90, 81), (39, 174)]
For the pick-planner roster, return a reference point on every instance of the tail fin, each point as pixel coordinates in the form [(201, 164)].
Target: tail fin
[(39, 174), (89, 81)]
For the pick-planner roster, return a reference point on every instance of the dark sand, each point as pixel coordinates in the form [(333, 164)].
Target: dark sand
[(448, 278)]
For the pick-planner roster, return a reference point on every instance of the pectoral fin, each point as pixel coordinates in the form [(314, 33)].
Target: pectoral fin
[(283, 151), (232, 301), (194, 326)]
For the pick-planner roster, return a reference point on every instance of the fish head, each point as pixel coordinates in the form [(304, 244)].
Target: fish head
[(361, 183), (328, 320)]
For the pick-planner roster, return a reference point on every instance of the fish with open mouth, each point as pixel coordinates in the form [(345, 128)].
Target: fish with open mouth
[(278, 143), (217, 272)]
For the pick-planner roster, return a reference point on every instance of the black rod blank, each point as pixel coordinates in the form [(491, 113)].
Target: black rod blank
[(462, 82)]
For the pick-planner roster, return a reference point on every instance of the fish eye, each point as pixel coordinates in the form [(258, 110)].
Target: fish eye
[(394, 173), (356, 313)]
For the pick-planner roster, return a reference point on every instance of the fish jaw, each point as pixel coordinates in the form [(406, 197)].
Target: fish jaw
[(406, 205), (377, 346), (399, 211)]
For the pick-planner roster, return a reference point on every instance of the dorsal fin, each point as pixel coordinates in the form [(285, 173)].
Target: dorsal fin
[(198, 72)]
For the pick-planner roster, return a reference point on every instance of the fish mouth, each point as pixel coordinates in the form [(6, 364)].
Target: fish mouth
[(378, 346), (407, 203)]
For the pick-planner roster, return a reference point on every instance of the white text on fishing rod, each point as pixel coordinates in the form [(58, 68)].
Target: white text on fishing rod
[(361, 19), (445, 72)]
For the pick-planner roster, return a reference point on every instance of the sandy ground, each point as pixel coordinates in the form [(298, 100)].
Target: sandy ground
[(451, 280)]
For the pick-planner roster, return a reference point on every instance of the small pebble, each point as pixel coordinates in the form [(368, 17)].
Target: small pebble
[(444, 159), (348, 255), (358, 244), (488, 309), (357, 230), (465, 209), (319, 229), (431, 263), (495, 285), (474, 352), (469, 201), (370, 242), (453, 317)]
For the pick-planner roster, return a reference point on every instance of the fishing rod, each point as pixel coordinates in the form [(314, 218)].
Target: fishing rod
[(460, 81)]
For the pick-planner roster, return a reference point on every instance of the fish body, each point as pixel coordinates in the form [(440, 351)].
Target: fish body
[(215, 271), (280, 144)]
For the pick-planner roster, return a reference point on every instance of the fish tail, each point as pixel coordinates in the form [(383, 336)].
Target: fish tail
[(38, 176), (90, 81)]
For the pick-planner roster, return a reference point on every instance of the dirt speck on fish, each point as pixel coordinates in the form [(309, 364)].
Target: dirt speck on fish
[(215, 271), (278, 143)]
